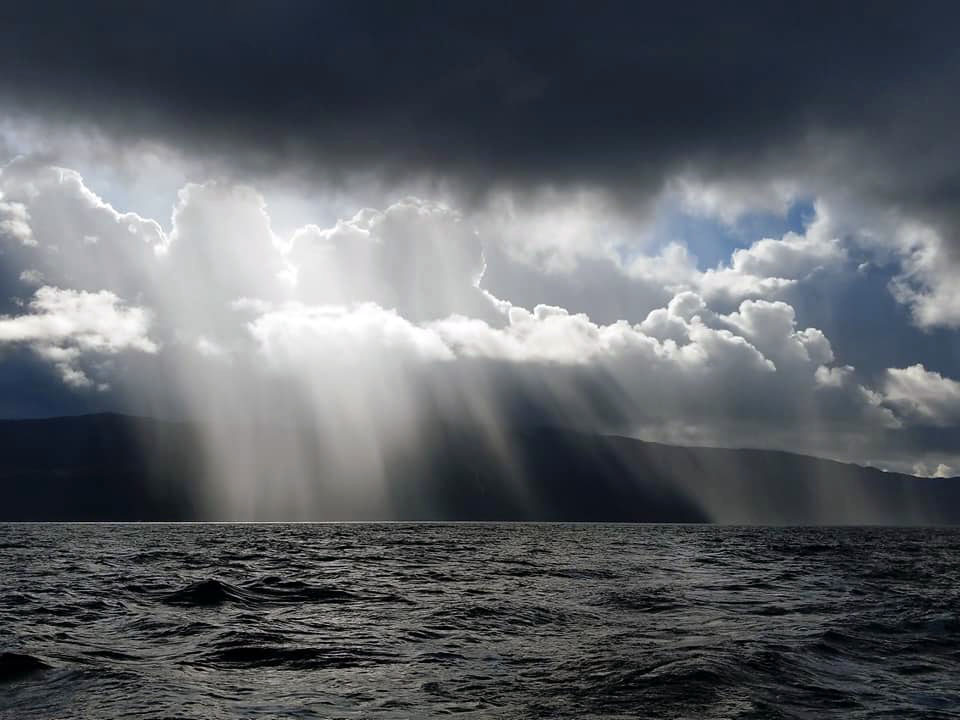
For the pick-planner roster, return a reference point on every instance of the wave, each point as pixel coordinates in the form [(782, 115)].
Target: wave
[(16, 665), (268, 590), (292, 658), (203, 593)]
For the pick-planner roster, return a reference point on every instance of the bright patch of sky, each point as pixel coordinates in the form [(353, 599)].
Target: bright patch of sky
[(712, 241)]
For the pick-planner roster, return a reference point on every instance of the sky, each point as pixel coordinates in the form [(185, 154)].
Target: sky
[(734, 226)]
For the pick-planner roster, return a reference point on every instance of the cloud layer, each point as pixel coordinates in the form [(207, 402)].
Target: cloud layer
[(362, 326), (547, 122), (65, 327)]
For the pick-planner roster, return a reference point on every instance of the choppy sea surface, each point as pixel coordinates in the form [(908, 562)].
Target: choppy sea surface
[(513, 621)]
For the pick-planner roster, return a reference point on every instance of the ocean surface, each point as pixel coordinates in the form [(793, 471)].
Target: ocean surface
[(512, 621)]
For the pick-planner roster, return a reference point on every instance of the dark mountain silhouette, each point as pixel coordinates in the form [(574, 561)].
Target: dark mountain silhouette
[(97, 467), (116, 467)]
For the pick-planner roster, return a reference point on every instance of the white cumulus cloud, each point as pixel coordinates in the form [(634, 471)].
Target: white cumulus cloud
[(65, 326), (923, 395)]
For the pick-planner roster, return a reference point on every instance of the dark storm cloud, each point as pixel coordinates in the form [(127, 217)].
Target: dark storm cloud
[(611, 93)]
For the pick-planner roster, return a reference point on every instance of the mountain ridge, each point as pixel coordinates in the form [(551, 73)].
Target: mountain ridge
[(115, 466)]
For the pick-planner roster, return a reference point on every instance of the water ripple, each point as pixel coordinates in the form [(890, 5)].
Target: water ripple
[(511, 621)]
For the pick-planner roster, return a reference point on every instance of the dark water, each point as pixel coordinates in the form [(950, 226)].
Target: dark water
[(407, 621)]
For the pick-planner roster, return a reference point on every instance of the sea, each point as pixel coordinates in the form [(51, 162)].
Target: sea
[(478, 621)]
